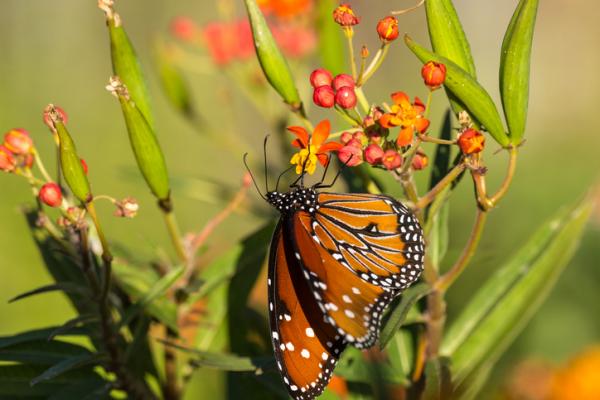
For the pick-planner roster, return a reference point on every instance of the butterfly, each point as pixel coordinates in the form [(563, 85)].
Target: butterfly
[(336, 261)]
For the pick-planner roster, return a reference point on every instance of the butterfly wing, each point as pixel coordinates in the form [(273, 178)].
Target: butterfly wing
[(374, 236), (306, 347)]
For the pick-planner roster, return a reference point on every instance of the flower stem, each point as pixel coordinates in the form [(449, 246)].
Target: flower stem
[(349, 33), (41, 167), (362, 99), (374, 65), (441, 185), (430, 139), (512, 166), (467, 254)]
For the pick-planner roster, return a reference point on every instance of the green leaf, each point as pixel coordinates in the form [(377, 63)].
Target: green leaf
[(157, 290), (441, 160), (15, 381), (66, 287), (531, 274), (438, 237), (448, 39), (35, 335), (437, 380), (127, 66), (72, 324), (137, 282), (145, 146), (397, 315), (400, 351), (475, 98), (353, 367), (66, 365), (226, 362), (332, 49), (88, 389), (41, 352), (71, 166), (272, 61), (515, 61)]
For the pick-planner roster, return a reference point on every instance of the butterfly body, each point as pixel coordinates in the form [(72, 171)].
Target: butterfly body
[(336, 262)]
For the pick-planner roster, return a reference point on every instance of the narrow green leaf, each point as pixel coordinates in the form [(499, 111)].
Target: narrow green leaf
[(398, 314), (66, 287), (88, 389), (126, 64), (71, 166), (441, 159), (72, 324), (272, 61), (332, 49), (447, 36), (501, 324), (145, 146), (227, 362), (475, 98), (35, 335), (15, 381), (66, 365), (157, 290), (400, 351), (136, 282), (439, 235), (514, 67), (41, 352), (172, 81), (437, 380), (353, 367)]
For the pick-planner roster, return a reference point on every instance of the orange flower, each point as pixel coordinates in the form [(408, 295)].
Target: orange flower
[(579, 379), (406, 115), (313, 148), (285, 8), (471, 141)]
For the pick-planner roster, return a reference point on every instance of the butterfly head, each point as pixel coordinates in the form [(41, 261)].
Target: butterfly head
[(298, 199)]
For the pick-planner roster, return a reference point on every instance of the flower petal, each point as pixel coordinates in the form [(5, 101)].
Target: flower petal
[(301, 133), (330, 146), (386, 120), (400, 98), (323, 158), (421, 124), (405, 137), (321, 133)]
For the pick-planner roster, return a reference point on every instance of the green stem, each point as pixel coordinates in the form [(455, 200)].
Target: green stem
[(175, 234), (467, 254), (441, 185), (362, 99), (349, 33), (41, 167), (374, 65), (512, 166)]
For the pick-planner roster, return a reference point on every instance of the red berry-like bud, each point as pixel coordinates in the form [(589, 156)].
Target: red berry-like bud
[(50, 194), (345, 97), (62, 115), (471, 141), (183, 28), (320, 77), (373, 154), (323, 96), (420, 161), (344, 15), (434, 74), (18, 141), (391, 160), (7, 161), (346, 137), (387, 29), (84, 165), (351, 154), (342, 80)]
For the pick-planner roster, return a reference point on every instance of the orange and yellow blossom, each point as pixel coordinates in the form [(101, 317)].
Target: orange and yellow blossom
[(312, 148), (407, 115)]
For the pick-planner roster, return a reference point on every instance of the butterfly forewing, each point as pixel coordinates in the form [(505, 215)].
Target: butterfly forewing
[(373, 235), (306, 348)]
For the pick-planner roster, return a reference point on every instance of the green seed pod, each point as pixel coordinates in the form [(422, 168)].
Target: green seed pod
[(271, 60), (70, 162), (145, 146)]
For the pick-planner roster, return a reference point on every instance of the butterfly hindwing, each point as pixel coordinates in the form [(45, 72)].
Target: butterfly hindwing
[(306, 347)]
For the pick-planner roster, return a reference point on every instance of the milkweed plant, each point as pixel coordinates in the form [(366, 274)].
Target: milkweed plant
[(167, 328)]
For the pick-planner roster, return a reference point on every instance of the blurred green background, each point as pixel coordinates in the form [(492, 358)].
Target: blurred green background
[(57, 51)]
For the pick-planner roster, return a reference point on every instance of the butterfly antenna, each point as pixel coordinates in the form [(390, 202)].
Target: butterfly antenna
[(252, 176), (335, 178), (304, 164), (325, 172), (281, 175), (265, 161)]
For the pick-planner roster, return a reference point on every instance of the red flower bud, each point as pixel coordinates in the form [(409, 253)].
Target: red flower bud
[(434, 74), (84, 165), (7, 161), (18, 141), (345, 97), (323, 96), (351, 154), (374, 154), (420, 161), (320, 77), (61, 114), (342, 80), (391, 159), (471, 141), (50, 194), (387, 29), (183, 28), (346, 137), (344, 15)]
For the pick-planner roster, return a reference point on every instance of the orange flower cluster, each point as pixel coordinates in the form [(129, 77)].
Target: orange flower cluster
[(285, 8), (16, 151), (408, 116)]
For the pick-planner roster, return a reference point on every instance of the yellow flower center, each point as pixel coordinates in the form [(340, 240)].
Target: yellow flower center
[(305, 159)]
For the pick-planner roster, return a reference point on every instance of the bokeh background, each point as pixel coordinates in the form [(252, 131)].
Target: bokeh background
[(57, 51)]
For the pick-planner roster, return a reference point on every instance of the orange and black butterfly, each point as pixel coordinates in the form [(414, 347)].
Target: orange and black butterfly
[(336, 261)]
